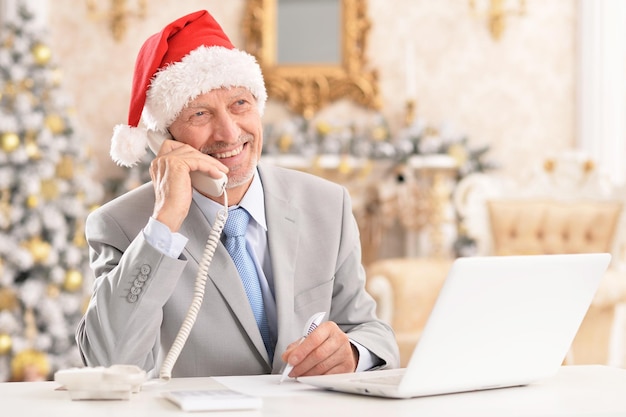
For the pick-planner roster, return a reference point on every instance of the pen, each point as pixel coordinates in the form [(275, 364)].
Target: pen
[(310, 325)]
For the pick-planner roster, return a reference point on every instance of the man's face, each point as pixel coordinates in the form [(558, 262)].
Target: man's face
[(225, 124)]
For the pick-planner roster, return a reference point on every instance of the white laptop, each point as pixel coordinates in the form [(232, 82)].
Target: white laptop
[(499, 321)]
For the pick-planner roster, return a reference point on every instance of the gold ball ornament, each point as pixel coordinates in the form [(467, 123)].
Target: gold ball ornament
[(73, 280), (32, 148), (41, 53), (8, 298), (49, 189), (65, 168), (55, 124), (32, 201), (30, 365), (6, 343), (39, 249), (9, 141)]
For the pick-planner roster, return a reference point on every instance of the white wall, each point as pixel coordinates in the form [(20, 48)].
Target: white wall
[(518, 94)]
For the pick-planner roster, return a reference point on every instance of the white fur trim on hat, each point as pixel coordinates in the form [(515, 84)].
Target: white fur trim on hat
[(204, 69), (128, 145)]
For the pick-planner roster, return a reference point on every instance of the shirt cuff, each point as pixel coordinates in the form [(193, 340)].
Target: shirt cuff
[(367, 360), (162, 239)]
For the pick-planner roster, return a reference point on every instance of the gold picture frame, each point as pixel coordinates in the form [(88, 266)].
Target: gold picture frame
[(306, 88)]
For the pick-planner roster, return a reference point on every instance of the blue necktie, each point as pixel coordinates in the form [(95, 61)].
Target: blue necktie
[(235, 231)]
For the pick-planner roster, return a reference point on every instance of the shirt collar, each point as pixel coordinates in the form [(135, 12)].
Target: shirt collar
[(253, 201)]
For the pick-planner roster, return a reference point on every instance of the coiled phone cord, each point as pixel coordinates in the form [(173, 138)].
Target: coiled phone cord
[(198, 293)]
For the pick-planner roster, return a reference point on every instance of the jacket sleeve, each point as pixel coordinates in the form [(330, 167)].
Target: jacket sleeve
[(353, 309), (133, 281)]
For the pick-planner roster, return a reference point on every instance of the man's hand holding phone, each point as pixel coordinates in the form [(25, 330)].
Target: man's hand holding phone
[(171, 176)]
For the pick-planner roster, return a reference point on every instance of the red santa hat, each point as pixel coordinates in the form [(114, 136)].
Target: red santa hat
[(189, 57)]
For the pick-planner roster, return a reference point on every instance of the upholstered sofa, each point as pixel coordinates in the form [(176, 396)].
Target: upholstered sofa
[(565, 206)]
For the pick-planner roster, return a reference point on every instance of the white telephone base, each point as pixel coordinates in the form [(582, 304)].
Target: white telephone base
[(116, 382)]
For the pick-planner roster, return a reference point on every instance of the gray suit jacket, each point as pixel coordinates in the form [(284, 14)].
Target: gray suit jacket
[(141, 296)]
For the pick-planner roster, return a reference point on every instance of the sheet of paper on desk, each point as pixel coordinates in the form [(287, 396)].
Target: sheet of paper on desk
[(265, 385)]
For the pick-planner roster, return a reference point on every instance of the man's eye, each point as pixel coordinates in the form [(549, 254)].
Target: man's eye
[(240, 105), (199, 117)]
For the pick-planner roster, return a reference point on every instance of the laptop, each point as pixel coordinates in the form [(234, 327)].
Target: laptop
[(499, 321)]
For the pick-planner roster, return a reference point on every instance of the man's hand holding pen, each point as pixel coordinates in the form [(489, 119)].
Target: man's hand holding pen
[(327, 350)]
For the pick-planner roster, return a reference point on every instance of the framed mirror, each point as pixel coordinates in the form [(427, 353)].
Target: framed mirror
[(312, 52)]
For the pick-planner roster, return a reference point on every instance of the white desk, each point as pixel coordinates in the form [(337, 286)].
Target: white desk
[(575, 390)]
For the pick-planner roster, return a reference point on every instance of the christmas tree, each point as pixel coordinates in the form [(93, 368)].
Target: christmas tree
[(46, 192)]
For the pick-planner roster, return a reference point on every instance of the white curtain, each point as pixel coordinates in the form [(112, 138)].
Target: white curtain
[(601, 109)]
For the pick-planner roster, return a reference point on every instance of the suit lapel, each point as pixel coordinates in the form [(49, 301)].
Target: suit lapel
[(283, 239), (221, 273)]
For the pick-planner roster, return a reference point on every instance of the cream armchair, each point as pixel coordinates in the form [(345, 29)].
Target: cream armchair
[(405, 290), (564, 206)]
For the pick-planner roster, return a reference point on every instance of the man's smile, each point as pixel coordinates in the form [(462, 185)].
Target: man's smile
[(229, 154)]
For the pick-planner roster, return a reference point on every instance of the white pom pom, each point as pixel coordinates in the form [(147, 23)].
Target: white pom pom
[(128, 145)]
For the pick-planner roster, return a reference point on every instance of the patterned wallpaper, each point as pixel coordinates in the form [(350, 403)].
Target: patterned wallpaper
[(516, 94)]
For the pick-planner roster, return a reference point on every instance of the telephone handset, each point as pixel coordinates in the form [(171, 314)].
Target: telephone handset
[(210, 186), (199, 180)]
